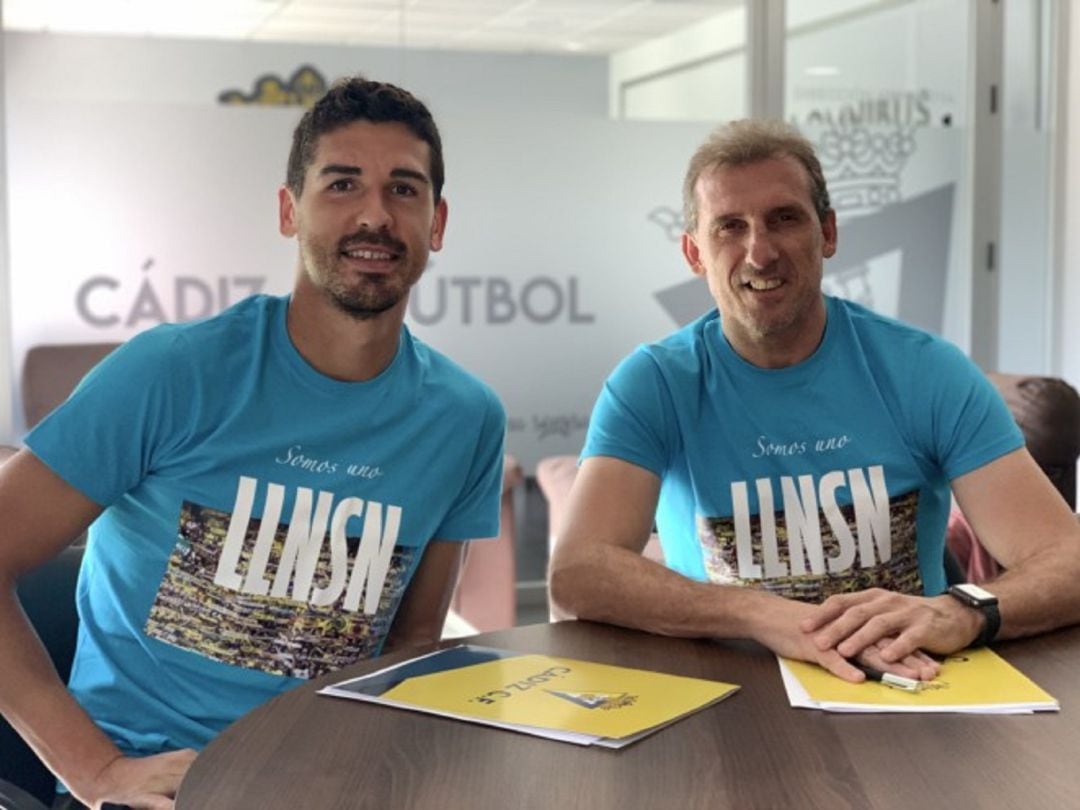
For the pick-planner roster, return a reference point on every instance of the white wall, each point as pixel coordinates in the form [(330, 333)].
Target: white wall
[(684, 75), (136, 197), (7, 401)]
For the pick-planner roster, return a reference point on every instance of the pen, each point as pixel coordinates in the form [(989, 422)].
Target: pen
[(887, 678)]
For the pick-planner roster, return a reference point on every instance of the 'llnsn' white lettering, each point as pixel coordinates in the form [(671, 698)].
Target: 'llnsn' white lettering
[(314, 520), (872, 540)]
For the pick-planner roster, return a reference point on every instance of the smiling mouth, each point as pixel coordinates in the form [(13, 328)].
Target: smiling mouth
[(763, 284), (370, 254)]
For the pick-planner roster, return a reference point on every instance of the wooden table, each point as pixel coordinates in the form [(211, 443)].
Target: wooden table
[(752, 750)]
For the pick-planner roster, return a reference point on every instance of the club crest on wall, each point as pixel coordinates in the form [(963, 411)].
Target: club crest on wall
[(302, 89)]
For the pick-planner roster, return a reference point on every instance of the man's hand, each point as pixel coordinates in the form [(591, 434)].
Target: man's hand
[(781, 629), (143, 783), (897, 625)]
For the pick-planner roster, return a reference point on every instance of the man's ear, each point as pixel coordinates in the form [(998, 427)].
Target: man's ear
[(830, 235), (692, 253), (286, 212), (438, 224)]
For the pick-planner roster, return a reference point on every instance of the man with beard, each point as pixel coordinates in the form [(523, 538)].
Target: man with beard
[(797, 452), (272, 493)]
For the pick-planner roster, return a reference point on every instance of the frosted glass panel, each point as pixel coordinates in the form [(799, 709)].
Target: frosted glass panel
[(881, 90)]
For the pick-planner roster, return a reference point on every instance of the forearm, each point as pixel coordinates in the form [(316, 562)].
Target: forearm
[(1036, 594), (422, 613), (42, 710), (616, 585), (1039, 594)]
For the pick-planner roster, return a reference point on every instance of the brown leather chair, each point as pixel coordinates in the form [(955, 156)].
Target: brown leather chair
[(50, 373), (1047, 409)]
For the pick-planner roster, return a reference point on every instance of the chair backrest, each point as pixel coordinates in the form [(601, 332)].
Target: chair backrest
[(50, 374), (1047, 409), (47, 595)]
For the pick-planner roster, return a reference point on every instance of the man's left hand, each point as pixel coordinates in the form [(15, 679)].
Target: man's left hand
[(852, 622)]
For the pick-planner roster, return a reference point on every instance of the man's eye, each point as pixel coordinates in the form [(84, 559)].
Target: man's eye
[(342, 184), (403, 190)]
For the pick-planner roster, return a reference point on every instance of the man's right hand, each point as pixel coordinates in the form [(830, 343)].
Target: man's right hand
[(777, 626), (141, 783)]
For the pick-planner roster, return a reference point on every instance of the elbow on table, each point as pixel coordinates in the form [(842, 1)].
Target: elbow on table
[(566, 575)]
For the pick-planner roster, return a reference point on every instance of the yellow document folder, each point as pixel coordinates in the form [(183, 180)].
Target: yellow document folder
[(561, 693), (559, 698), (971, 681)]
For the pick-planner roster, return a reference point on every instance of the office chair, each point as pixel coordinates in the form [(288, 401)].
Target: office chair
[(13, 798), (51, 372)]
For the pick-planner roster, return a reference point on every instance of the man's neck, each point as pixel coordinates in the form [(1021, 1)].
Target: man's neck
[(782, 349), (338, 345)]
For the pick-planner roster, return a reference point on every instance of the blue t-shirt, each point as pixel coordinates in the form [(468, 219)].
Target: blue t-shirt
[(262, 520), (830, 475)]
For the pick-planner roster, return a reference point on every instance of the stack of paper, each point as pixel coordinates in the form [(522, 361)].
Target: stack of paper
[(558, 698), (971, 681)]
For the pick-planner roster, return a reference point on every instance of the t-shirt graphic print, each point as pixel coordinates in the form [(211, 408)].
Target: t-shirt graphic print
[(297, 599), (813, 547)]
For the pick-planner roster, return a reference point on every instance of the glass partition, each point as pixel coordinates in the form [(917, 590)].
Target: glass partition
[(880, 87)]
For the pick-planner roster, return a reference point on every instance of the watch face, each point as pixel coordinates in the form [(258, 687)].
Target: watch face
[(973, 594)]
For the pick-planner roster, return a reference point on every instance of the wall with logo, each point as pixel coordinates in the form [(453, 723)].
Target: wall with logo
[(138, 197)]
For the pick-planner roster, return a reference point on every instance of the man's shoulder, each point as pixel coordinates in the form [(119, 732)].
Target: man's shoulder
[(893, 339), (244, 318), (445, 377), (688, 337), (868, 323), (253, 315), (683, 350)]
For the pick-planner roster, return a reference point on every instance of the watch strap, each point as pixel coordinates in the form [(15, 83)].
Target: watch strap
[(991, 627), (984, 602)]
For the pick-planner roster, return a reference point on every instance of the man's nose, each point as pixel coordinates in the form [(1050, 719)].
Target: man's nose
[(760, 249), (373, 213)]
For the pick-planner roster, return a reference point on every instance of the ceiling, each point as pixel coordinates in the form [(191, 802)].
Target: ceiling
[(588, 26)]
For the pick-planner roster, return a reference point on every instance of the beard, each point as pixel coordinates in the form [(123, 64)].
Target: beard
[(361, 296)]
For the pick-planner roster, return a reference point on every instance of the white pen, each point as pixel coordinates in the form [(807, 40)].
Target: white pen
[(887, 678)]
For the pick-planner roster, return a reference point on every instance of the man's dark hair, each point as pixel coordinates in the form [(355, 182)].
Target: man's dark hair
[(358, 99)]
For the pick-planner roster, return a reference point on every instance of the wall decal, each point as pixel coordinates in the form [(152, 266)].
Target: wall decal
[(303, 89)]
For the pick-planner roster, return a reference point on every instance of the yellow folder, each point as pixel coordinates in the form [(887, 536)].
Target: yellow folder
[(969, 681), (560, 693)]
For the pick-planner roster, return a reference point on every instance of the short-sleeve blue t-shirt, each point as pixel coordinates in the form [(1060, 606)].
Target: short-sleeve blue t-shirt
[(262, 520), (827, 476)]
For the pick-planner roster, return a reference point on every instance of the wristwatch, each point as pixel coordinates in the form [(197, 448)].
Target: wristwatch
[(983, 601)]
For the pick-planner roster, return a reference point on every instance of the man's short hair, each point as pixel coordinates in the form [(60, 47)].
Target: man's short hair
[(750, 140), (358, 99)]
